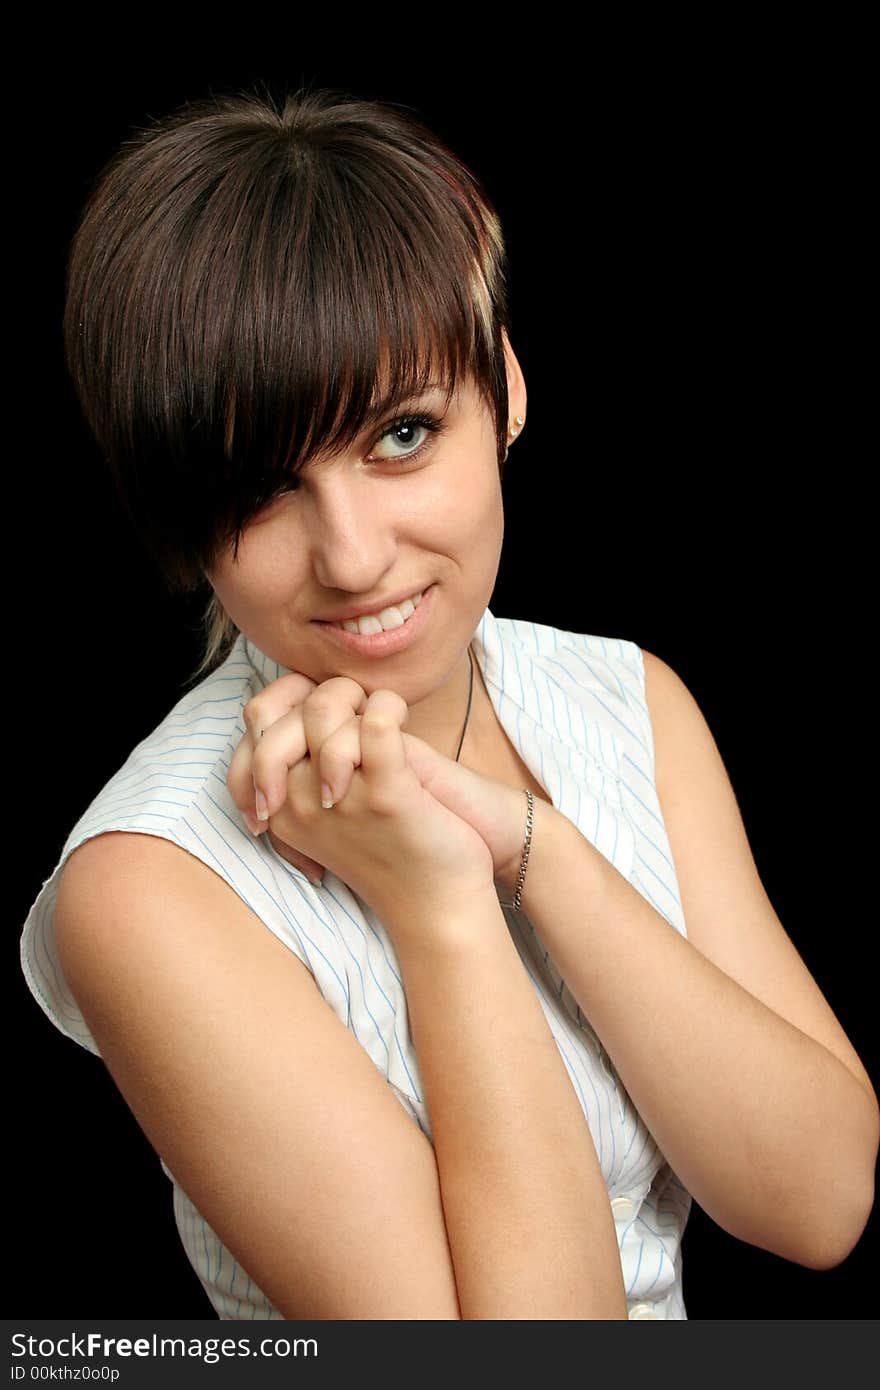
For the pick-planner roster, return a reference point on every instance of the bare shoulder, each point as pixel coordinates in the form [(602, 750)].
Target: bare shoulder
[(123, 888), (655, 668), (674, 711), (104, 862), (136, 876), (686, 755)]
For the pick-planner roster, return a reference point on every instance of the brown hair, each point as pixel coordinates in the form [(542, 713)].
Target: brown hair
[(239, 273)]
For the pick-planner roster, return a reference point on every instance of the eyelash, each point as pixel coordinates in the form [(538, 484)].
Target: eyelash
[(431, 423), (428, 422)]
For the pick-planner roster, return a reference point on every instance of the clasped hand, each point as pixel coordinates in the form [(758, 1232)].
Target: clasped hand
[(407, 823)]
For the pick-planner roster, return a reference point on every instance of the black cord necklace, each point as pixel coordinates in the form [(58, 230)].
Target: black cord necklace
[(468, 713)]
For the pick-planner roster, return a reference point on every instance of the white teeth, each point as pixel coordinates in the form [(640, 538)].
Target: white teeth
[(395, 616)]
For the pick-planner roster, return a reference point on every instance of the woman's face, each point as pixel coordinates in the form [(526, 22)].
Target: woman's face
[(405, 510)]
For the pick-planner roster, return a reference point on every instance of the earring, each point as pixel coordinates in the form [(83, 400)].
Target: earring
[(513, 430)]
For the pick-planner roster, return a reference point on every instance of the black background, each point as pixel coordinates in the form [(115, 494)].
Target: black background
[(687, 235)]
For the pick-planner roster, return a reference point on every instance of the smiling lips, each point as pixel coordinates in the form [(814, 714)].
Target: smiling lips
[(393, 616), (383, 634)]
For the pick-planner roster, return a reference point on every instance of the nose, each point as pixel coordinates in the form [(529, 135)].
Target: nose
[(349, 532)]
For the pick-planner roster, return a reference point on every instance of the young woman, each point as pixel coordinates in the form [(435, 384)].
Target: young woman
[(522, 995)]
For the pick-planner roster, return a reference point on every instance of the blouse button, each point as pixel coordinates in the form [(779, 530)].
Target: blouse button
[(643, 1310), (622, 1208)]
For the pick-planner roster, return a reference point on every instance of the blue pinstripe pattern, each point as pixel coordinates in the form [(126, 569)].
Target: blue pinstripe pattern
[(573, 705)]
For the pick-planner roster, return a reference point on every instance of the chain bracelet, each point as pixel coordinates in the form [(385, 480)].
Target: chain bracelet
[(527, 844)]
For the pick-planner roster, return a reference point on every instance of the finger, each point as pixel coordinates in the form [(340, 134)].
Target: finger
[(431, 767), (383, 756), (265, 766), (269, 704), (284, 743), (328, 707), (340, 755), (239, 779), (281, 747)]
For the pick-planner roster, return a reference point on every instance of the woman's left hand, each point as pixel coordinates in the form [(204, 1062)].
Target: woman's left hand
[(274, 723), (494, 809)]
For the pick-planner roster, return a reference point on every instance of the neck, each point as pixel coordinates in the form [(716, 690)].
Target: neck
[(439, 720)]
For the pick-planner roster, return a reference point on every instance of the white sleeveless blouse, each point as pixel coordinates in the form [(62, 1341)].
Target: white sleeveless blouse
[(574, 707)]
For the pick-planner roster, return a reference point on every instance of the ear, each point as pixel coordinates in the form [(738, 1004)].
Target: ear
[(516, 385)]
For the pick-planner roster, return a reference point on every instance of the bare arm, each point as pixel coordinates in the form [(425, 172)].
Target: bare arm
[(527, 1211), (723, 1040), (285, 1135)]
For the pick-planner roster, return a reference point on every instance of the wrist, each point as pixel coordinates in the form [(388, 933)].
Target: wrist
[(444, 924), (506, 876), (549, 830)]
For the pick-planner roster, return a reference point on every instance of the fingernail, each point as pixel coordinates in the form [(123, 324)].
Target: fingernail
[(253, 824), (316, 882), (326, 796), (262, 808)]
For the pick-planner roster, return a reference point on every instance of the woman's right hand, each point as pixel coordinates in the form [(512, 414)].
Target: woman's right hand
[(388, 839)]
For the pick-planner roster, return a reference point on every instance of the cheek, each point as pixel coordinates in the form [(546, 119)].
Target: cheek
[(261, 579), (467, 510), (481, 513)]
